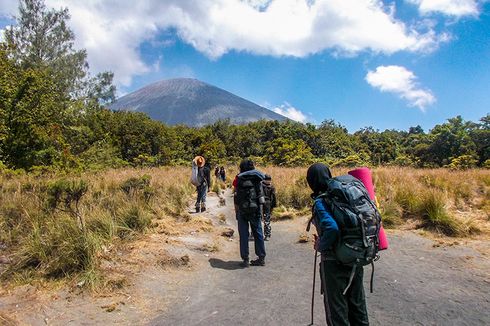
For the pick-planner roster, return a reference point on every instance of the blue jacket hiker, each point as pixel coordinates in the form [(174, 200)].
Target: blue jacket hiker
[(340, 309), (249, 200)]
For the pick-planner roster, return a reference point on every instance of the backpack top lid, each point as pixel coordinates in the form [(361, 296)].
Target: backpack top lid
[(346, 189), (252, 174)]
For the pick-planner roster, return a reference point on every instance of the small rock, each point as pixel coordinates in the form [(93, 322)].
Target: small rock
[(303, 238), (228, 232), (110, 307), (185, 259)]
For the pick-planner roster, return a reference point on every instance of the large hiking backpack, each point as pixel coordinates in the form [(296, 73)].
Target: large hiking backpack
[(358, 219), (196, 175), (267, 193), (249, 194)]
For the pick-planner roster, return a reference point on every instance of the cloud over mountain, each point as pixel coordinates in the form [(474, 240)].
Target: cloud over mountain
[(113, 31)]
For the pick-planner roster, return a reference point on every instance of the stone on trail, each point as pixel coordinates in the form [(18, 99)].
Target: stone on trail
[(228, 232)]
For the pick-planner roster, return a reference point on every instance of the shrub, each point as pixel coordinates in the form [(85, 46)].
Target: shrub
[(435, 214), (131, 220), (68, 193), (463, 162), (136, 184), (55, 249)]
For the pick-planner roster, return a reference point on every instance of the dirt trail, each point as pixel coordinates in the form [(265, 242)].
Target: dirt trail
[(417, 282)]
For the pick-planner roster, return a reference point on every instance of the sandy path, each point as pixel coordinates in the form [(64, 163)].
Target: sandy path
[(415, 284)]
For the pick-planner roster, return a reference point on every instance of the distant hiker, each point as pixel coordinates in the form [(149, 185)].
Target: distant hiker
[(249, 200), (222, 173), (347, 224), (270, 203), (201, 179), (216, 172)]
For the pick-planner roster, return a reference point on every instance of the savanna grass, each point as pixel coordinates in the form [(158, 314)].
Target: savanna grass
[(435, 198), (40, 217)]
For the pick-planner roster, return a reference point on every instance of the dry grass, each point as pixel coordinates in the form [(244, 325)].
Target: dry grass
[(49, 232), (454, 203)]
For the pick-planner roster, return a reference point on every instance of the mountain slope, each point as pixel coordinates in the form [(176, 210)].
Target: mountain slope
[(193, 103)]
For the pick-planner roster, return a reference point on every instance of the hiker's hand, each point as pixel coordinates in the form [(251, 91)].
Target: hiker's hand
[(316, 243)]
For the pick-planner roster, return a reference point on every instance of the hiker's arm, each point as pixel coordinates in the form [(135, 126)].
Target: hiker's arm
[(327, 225)]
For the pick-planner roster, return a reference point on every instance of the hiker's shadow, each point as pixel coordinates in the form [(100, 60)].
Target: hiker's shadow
[(228, 265)]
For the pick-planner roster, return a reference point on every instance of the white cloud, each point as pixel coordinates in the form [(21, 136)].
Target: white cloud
[(112, 31), (448, 7), (403, 82), (290, 112)]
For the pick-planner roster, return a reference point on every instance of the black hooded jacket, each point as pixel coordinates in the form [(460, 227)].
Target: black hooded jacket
[(317, 177)]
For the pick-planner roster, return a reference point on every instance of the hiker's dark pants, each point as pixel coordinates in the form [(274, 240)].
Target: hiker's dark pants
[(255, 223), (267, 221), (202, 191), (349, 309)]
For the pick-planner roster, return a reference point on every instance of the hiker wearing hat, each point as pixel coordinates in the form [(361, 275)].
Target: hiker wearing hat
[(342, 286), (204, 180), (249, 201), (270, 203)]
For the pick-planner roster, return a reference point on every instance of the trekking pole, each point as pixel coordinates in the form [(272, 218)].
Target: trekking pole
[(313, 291)]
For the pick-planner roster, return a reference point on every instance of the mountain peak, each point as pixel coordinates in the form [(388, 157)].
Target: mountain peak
[(192, 102)]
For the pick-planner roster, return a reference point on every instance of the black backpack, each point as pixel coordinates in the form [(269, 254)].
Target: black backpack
[(359, 222), (249, 195), (267, 193)]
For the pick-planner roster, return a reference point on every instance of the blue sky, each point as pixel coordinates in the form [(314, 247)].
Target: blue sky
[(386, 64)]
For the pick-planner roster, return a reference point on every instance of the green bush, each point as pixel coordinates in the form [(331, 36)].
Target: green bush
[(463, 162)]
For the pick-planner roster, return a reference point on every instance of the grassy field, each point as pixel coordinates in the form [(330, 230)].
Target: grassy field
[(53, 227), (454, 203)]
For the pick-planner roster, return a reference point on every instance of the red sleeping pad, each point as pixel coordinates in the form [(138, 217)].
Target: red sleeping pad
[(364, 174)]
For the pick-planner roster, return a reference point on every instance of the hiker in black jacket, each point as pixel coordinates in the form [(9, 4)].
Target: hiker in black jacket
[(340, 309), (249, 200), (202, 190), (270, 203)]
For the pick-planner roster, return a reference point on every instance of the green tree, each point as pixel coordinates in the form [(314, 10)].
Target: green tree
[(286, 152), (480, 135), (31, 117), (450, 140), (41, 39)]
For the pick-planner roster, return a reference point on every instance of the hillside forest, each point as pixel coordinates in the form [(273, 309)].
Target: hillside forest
[(53, 116)]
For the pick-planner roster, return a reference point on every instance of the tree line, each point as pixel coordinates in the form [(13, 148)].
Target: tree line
[(53, 115)]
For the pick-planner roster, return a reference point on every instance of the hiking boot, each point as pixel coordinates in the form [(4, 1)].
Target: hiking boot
[(245, 263), (267, 237), (258, 262), (198, 209), (203, 208)]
